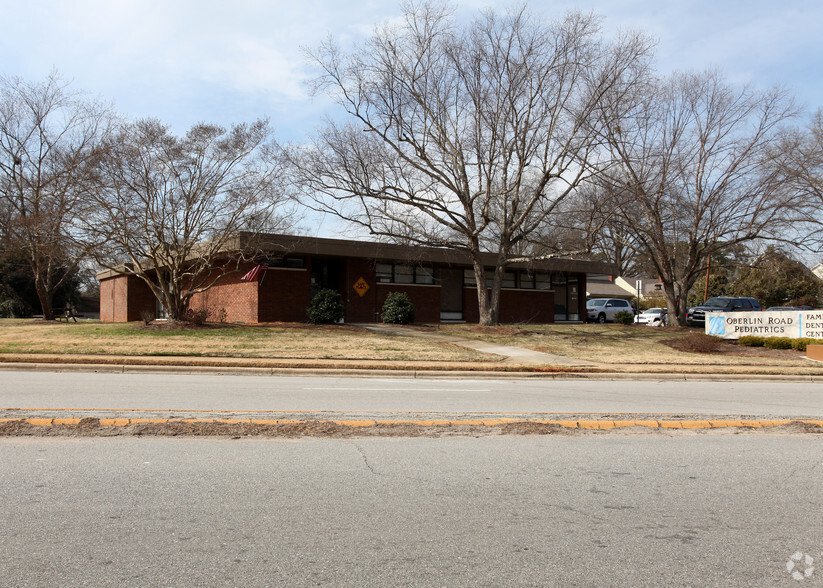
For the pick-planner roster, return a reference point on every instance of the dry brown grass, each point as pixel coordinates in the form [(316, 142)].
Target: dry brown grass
[(276, 341), (630, 347), (616, 348)]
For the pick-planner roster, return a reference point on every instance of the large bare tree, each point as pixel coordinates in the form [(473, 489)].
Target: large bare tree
[(804, 169), (464, 136), (51, 140), (695, 170), (170, 208)]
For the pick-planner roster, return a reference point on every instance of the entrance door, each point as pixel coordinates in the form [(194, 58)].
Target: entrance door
[(327, 274), (451, 294)]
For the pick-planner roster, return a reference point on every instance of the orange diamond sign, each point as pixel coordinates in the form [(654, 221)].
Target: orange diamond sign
[(361, 287)]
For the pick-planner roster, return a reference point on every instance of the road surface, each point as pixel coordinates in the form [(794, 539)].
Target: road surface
[(703, 510), (173, 392)]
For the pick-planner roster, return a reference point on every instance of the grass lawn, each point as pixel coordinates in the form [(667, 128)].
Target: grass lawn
[(620, 345), (223, 340), (616, 348)]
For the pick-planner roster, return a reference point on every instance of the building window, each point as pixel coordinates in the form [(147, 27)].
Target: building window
[(287, 262), (403, 274), (468, 279), (423, 275), (526, 280), (390, 273), (385, 273), (542, 282)]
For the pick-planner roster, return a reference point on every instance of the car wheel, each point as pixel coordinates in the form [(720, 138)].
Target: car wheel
[(601, 318)]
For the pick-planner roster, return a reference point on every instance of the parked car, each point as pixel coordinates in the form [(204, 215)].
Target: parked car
[(601, 310), (654, 317), (779, 308), (696, 315)]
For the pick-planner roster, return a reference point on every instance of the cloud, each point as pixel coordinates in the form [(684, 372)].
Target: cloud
[(186, 60)]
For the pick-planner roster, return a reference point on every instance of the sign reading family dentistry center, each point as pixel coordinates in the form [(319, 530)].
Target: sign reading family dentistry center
[(795, 324)]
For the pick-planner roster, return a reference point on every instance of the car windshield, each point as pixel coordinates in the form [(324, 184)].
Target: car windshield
[(654, 311), (716, 302), (596, 302)]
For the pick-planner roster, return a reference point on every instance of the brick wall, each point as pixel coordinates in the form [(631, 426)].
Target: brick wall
[(230, 299), (124, 299), (284, 295), (516, 306), (426, 300), (360, 309)]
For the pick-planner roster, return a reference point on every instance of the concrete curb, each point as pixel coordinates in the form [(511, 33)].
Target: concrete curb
[(376, 372), (597, 425)]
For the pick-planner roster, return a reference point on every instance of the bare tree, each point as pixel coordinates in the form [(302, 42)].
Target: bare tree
[(50, 142), (466, 137), (804, 169), (170, 208), (586, 225), (695, 171)]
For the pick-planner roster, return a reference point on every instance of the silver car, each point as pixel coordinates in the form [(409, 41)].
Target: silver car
[(654, 317)]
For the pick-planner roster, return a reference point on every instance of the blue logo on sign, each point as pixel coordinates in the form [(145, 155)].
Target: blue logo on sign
[(717, 325)]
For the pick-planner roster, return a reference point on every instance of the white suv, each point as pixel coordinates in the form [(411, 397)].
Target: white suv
[(600, 310)]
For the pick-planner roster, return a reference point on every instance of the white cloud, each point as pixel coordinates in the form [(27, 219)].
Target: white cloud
[(188, 60)]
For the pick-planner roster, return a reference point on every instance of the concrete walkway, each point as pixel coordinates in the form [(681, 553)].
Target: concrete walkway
[(517, 355)]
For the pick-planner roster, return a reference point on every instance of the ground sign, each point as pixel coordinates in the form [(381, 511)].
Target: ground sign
[(794, 324)]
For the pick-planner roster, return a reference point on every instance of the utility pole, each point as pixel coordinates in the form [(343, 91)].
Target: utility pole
[(708, 273)]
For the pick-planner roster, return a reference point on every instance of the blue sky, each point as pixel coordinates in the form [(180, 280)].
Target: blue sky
[(185, 61)]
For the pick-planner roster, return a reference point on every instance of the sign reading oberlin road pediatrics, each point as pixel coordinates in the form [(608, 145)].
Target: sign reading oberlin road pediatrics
[(795, 324)]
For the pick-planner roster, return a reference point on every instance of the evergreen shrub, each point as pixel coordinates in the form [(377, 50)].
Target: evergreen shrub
[(398, 309), (326, 307)]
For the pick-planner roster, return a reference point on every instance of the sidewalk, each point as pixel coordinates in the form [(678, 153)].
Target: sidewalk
[(514, 355)]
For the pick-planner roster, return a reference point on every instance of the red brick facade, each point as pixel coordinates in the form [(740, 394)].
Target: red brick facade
[(516, 306), (283, 294), (125, 299), (230, 300), (426, 300)]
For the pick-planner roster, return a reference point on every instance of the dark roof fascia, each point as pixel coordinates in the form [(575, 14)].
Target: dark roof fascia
[(280, 245), (324, 247)]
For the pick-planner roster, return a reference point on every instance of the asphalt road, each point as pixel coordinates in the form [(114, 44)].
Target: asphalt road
[(173, 392), (707, 510)]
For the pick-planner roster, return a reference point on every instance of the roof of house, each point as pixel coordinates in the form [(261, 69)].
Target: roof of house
[(284, 245), (603, 286)]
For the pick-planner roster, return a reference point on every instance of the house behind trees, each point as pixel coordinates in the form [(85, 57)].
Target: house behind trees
[(440, 283)]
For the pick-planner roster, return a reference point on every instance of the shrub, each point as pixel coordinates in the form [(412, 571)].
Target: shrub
[(777, 343), (198, 317), (652, 301), (326, 307), (801, 344), (624, 317), (398, 309), (147, 316), (14, 308), (696, 342), (751, 341)]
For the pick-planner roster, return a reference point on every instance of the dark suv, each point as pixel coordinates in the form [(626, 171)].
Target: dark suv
[(696, 315)]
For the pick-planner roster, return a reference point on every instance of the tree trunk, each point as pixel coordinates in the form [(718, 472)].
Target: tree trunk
[(486, 317), (45, 298), (672, 303)]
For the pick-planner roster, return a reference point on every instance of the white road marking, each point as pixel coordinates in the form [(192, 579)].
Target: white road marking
[(365, 389)]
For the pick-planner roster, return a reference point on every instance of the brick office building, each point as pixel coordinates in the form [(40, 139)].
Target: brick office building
[(439, 282)]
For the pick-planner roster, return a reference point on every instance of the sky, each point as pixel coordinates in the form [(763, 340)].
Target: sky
[(224, 62), (186, 61)]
